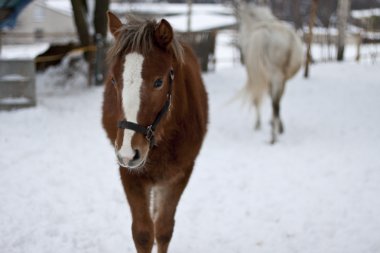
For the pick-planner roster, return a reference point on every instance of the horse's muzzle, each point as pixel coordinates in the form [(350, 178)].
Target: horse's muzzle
[(135, 163)]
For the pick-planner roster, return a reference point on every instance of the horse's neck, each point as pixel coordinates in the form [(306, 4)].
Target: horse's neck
[(256, 17), (252, 20), (262, 14), (253, 24)]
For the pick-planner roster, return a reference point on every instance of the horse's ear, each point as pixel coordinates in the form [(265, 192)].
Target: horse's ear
[(164, 34), (114, 24)]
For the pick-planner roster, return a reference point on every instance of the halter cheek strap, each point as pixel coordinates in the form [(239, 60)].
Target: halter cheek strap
[(148, 131)]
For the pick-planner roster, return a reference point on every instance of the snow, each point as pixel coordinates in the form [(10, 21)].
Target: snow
[(368, 52), (333, 31), (62, 6), (368, 13), (317, 190), (169, 8), (13, 77), (12, 101), (200, 22), (204, 16), (23, 51)]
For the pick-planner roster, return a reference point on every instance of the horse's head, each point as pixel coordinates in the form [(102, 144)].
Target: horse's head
[(141, 71)]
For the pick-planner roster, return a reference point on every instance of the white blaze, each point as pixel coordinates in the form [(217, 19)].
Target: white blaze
[(131, 98)]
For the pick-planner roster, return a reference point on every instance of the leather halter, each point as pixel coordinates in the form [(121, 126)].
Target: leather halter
[(148, 131)]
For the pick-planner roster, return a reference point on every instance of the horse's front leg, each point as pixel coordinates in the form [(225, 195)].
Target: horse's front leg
[(166, 201), (137, 192)]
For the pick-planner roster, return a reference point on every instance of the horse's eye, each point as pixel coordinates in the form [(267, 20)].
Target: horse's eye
[(158, 83)]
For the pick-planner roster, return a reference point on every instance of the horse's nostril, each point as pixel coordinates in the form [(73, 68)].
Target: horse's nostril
[(137, 155)]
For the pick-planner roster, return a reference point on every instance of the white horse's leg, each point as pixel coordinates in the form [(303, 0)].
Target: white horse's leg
[(276, 90), (257, 90), (257, 104)]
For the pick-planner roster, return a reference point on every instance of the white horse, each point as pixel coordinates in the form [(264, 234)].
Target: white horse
[(272, 53)]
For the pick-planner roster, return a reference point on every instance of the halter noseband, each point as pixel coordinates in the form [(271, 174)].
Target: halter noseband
[(148, 131)]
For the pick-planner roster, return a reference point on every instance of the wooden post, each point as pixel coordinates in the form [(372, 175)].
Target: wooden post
[(100, 17), (313, 14), (100, 25)]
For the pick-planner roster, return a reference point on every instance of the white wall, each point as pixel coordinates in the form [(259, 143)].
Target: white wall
[(55, 25)]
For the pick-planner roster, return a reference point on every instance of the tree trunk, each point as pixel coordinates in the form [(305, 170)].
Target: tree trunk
[(313, 14), (80, 14), (100, 25), (342, 15), (297, 14), (100, 17), (80, 11)]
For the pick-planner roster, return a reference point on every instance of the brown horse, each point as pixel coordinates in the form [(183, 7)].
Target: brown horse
[(155, 113)]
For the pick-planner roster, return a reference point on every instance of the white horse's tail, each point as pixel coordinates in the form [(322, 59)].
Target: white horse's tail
[(257, 68)]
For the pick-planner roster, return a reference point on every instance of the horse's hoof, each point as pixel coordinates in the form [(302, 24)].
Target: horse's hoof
[(281, 128), (257, 127)]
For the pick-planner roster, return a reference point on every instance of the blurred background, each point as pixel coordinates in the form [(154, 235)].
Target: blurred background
[(53, 29), (316, 190)]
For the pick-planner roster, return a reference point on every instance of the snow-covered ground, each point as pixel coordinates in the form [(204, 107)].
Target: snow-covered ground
[(316, 191)]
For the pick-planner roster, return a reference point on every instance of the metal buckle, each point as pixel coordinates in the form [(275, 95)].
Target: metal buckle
[(149, 133)]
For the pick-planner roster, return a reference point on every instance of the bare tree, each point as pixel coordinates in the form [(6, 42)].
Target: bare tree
[(297, 14), (81, 17), (100, 17), (80, 10), (313, 14), (342, 15)]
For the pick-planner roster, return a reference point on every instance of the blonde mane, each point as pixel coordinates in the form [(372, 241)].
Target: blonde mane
[(138, 36)]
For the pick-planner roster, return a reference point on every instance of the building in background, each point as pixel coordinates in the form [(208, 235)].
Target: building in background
[(43, 21)]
